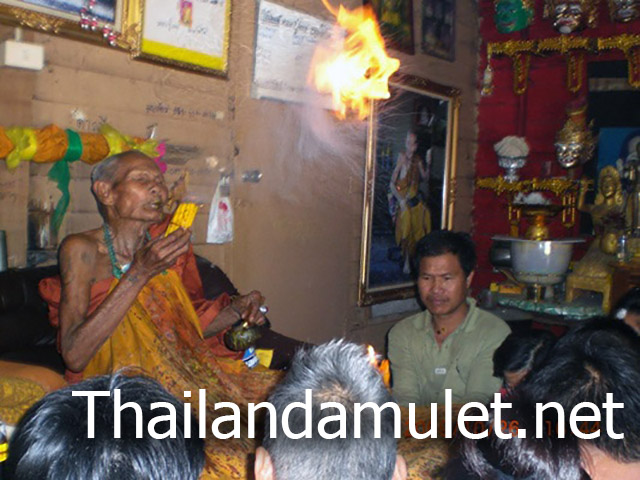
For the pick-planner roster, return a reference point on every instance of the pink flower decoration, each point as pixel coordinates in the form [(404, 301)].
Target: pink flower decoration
[(161, 149)]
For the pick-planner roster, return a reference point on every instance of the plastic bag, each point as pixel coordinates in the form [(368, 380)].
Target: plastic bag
[(220, 226)]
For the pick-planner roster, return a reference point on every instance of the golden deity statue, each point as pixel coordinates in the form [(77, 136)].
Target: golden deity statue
[(593, 271)]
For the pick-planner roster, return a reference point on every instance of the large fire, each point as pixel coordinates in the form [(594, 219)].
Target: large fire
[(360, 69)]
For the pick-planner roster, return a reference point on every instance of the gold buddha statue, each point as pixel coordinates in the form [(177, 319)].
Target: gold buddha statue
[(593, 271)]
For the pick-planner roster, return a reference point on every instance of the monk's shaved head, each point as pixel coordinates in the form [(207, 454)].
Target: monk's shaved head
[(107, 170)]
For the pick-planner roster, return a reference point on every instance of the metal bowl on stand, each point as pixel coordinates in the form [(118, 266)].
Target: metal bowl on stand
[(540, 263)]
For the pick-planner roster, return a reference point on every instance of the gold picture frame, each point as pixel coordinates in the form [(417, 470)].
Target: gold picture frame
[(194, 36), (62, 18), (430, 111)]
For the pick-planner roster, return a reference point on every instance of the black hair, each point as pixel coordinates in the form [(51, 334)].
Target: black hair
[(440, 242), (597, 358), (522, 351), (528, 458), (51, 440)]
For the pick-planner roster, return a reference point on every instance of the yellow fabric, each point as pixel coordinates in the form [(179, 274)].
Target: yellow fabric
[(161, 335), (264, 357), (25, 145), (119, 143), (16, 396)]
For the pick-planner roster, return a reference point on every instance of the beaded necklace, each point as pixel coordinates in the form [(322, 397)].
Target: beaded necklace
[(116, 269)]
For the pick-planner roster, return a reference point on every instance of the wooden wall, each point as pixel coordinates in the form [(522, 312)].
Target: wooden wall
[(297, 232)]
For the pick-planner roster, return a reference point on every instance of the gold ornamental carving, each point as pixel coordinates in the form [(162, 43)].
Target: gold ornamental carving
[(37, 20), (630, 46), (573, 48), (537, 215)]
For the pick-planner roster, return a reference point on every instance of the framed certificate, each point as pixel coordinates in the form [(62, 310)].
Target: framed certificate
[(192, 34)]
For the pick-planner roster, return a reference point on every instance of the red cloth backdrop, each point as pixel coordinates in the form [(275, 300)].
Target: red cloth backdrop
[(536, 115)]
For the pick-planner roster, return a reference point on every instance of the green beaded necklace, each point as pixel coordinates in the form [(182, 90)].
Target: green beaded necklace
[(116, 269)]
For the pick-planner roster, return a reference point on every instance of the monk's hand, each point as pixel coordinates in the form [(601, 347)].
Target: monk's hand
[(160, 253), (249, 307)]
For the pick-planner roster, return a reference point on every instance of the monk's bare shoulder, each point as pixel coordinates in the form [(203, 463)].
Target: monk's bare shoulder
[(77, 256)]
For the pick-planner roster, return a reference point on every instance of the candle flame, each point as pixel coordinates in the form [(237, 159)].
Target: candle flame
[(371, 354), (381, 365), (359, 69)]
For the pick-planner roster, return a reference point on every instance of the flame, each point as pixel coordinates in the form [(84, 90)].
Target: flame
[(381, 365), (359, 68), (371, 354)]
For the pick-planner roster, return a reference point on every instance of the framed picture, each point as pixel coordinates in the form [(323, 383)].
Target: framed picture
[(62, 16), (409, 182), (191, 34), (438, 28), (395, 18)]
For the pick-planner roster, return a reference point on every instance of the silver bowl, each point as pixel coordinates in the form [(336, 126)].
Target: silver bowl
[(511, 166), (540, 262)]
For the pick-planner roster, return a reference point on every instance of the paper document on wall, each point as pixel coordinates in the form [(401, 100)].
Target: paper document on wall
[(285, 42)]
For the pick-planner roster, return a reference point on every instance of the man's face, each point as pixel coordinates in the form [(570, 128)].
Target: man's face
[(511, 16), (442, 284), (568, 17), (139, 189)]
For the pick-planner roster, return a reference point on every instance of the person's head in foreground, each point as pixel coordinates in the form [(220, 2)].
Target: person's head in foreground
[(51, 441), (337, 372), (628, 309), (520, 353), (585, 365), (445, 263), (528, 458)]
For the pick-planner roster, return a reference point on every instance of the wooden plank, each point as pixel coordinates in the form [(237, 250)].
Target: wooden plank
[(14, 190)]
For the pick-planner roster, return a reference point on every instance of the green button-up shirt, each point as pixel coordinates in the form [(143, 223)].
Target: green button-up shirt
[(422, 370)]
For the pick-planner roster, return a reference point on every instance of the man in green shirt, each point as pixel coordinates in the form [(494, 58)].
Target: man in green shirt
[(451, 344)]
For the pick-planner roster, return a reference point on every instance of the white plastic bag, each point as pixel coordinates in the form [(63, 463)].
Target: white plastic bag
[(220, 226)]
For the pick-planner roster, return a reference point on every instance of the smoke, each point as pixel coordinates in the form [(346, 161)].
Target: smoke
[(326, 157)]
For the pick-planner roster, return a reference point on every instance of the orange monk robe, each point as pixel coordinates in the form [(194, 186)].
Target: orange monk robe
[(186, 268), (161, 335)]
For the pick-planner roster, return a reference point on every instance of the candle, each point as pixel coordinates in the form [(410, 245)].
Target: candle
[(380, 364)]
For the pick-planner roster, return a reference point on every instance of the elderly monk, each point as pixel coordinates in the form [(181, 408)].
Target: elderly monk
[(129, 296)]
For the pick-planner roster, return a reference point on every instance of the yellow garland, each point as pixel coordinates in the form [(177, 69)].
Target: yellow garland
[(24, 145), (119, 143)]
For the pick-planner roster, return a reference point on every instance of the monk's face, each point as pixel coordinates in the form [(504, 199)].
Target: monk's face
[(138, 190)]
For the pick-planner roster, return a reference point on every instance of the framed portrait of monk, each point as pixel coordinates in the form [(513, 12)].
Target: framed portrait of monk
[(409, 183)]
